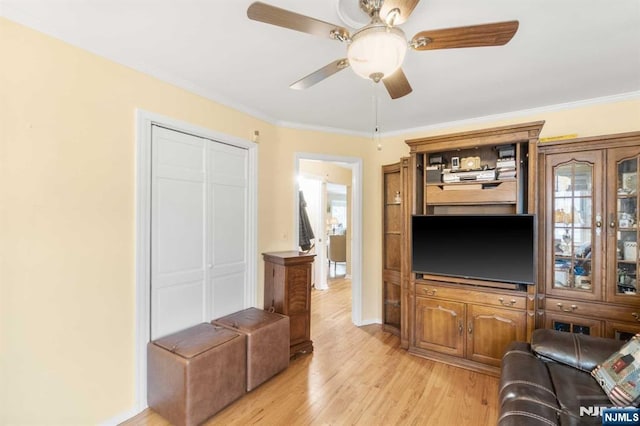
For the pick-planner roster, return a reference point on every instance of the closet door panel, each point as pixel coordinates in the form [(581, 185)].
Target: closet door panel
[(178, 267), (227, 180)]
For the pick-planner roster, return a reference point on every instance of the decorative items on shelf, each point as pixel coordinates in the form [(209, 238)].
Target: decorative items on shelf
[(470, 163), (626, 220), (560, 216), (629, 183), (630, 250)]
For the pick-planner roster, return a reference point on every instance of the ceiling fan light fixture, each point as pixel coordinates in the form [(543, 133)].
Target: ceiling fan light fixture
[(377, 51)]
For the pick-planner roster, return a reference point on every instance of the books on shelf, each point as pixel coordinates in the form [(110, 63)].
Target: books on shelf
[(506, 168), (507, 174), (506, 163)]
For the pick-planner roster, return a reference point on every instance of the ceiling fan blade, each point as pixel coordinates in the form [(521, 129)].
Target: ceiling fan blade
[(496, 34), (397, 84), (401, 10), (319, 75), (263, 12)]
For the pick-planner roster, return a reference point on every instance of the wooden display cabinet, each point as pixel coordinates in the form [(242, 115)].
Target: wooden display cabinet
[(394, 269), (588, 234), (287, 290), (460, 321)]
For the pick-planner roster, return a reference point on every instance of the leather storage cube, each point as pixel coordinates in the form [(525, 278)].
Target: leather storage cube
[(194, 373), (267, 342)]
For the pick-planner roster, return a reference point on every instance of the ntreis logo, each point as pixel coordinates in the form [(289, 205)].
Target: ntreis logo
[(620, 416)]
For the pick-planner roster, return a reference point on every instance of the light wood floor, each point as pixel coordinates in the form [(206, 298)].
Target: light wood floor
[(358, 376)]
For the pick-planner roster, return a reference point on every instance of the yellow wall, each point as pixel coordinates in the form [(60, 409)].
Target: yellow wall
[(67, 227)]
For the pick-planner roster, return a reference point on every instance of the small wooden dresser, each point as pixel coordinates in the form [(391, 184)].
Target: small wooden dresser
[(287, 290)]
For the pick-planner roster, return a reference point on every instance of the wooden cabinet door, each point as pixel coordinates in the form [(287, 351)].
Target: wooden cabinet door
[(621, 330), (573, 224), (623, 229), (440, 326), (573, 324), (298, 302), (490, 330)]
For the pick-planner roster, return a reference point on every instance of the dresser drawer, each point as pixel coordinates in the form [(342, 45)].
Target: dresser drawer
[(465, 294), (590, 309), (471, 193)]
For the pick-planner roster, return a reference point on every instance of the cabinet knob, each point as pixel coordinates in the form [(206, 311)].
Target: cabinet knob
[(636, 316), (470, 327), (510, 303), (460, 327), (563, 309)]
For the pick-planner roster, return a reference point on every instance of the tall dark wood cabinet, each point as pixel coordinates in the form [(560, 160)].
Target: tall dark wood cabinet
[(394, 258), (589, 229), (287, 290), (460, 321)]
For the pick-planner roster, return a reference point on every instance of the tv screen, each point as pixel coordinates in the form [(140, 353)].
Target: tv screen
[(483, 247)]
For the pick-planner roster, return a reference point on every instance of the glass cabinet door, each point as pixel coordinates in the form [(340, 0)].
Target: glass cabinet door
[(623, 226), (572, 233), (573, 239)]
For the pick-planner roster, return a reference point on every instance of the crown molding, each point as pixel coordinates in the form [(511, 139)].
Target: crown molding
[(518, 114)]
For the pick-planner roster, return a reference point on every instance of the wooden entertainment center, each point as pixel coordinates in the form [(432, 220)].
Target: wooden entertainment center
[(585, 284)]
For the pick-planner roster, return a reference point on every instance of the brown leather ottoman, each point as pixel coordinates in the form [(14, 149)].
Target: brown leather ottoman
[(267, 342), (194, 373)]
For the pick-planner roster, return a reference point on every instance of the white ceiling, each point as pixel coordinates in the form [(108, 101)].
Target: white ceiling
[(564, 51)]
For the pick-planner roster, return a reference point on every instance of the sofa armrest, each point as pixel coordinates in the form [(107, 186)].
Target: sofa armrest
[(576, 350)]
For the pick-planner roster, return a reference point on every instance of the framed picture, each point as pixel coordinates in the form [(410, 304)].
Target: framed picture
[(455, 163)]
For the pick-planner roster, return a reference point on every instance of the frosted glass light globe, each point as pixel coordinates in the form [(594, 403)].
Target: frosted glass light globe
[(377, 51)]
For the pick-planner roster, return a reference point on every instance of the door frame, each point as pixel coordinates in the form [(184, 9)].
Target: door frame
[(144, 120), (356, 226)]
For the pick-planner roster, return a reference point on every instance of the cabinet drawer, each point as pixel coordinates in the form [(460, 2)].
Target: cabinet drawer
[(618, 313), (472, 193), (469, 295)]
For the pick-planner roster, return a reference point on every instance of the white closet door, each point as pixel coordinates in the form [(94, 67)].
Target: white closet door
[(178, 229), (227, 254), (198, 230)]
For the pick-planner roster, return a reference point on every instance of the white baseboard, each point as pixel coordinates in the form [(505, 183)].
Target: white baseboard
[(369, 322)]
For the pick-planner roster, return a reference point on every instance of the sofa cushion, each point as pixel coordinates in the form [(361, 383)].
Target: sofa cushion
[(577, 350), (575, 389), (619, 375), (526, 394), (523, 374), (526, 412)]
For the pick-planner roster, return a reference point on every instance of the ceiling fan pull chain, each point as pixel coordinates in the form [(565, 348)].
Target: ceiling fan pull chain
[(376, 125)]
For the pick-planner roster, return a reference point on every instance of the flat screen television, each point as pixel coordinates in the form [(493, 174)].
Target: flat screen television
[(481, 247)]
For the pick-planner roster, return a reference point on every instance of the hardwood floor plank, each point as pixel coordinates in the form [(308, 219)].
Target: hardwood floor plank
[(358, 376)]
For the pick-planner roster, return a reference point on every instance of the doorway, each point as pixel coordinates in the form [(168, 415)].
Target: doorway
[(313, 197), (353, 226), (338, 206)]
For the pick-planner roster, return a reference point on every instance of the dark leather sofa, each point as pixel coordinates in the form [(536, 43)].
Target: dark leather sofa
[(548, 381)]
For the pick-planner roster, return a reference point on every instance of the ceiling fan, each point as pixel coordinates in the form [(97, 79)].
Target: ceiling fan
[(377, 50)]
